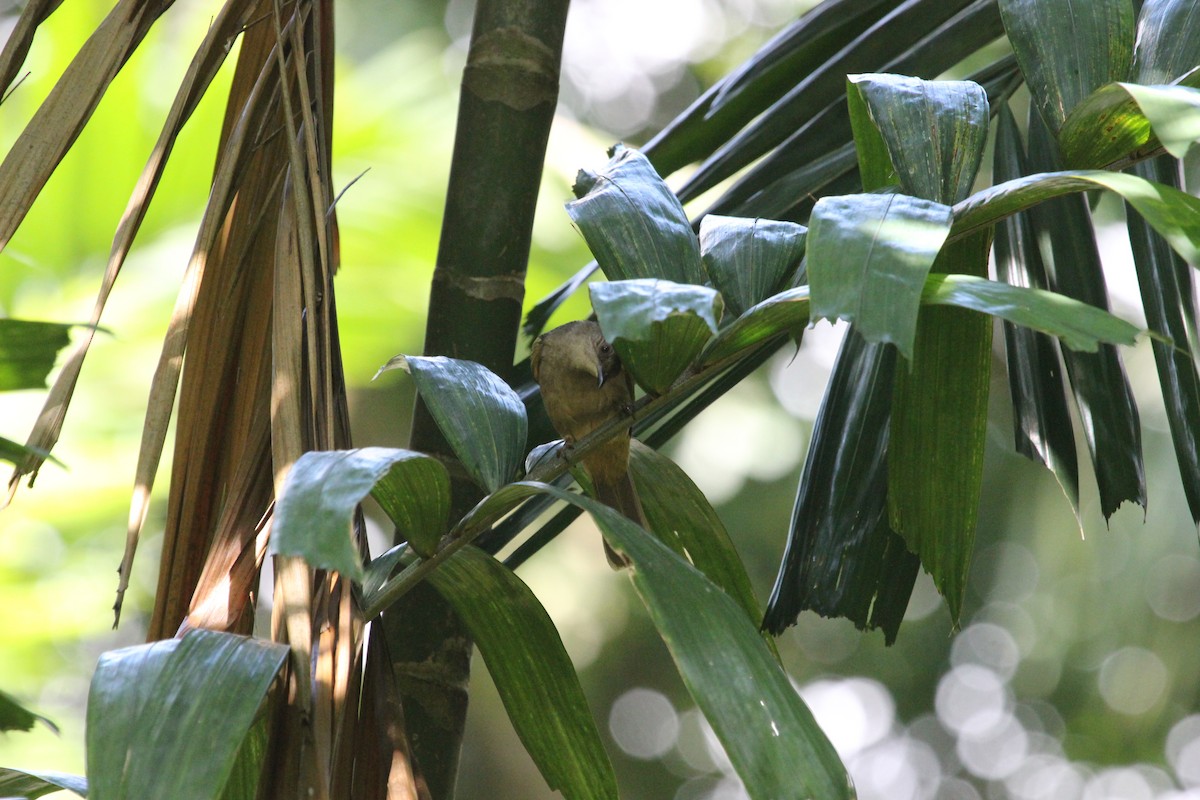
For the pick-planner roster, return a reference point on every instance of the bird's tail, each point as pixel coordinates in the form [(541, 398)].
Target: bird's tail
[(620, 494)]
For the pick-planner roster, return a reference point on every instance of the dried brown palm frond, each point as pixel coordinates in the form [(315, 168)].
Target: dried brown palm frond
[(251, 356)]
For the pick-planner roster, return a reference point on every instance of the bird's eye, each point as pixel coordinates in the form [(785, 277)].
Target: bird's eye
[(606, 348)]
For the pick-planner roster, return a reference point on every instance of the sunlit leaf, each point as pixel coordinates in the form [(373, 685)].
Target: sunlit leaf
[(634, 224), (225, 27), (480, 415), (749, 259), (532, 672), (1080, 326), (148, 702), (1068, 49), (657, 327), (1172, 213), (1173, 112), (868, 256), (1121, 119), (42, 143)]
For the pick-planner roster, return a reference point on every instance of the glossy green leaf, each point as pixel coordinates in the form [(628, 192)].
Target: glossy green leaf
[(749, 259), (817, 160), (799, 49), (770, 736), (415, 494), (1164, 300), (786, 312), (842, 558), (15, 717), (1121, 119), (1173, 112), (247, 768), (147, 704), (918, 37), (657, 327), (1167, 45), (634, 224), (934, 131), (480, 415), (680, 515), (380, 569), (1068, 49), (313, 517), (875, 168), (939, 428), (1042, 425), (27, 352), (493, 508), (868, 256), (1172, 213), (1078, 325), (1107, 410), (827, 24), (1105, 126), (29, 784), (780, 194), (532, 672)]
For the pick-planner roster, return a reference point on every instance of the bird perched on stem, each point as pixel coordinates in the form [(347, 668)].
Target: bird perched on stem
[(583, 386)]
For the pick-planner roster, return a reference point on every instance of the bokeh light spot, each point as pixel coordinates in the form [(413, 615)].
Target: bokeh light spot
[(854, 713), (987, 644), (1183, 750), (1045, 777), (1132, 680), (971, 700), (998, 752), (1172, 588), (643, 723), (1118, 784)]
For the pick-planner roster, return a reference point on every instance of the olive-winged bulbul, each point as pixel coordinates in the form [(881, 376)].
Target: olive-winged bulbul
[(583, 386)]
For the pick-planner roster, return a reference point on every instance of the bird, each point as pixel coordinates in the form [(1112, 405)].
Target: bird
[(584, 385)]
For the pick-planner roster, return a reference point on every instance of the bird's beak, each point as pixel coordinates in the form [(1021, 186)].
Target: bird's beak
[(600, 374)]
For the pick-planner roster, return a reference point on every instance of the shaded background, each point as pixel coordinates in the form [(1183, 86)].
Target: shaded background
[(1073, 675)]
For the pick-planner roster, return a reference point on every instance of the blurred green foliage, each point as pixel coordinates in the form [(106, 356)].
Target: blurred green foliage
[(1070, 603)]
